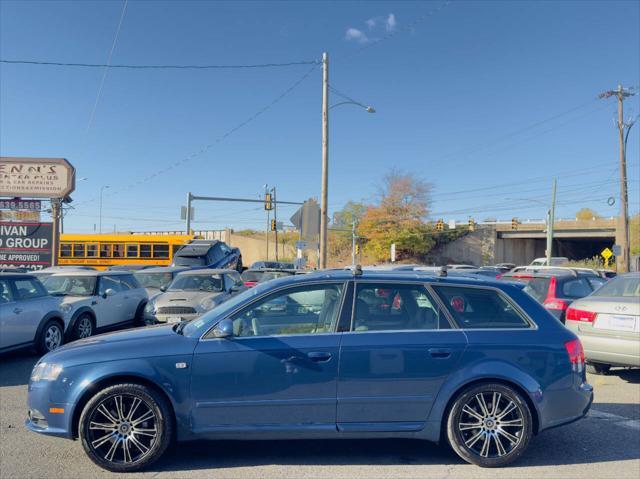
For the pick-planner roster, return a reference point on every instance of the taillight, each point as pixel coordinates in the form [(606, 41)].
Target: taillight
[(581, 315), (499, 276), (576, 354), (250, 283), (556, 304)]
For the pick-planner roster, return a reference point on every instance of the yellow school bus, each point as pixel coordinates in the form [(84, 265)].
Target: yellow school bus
[(104, 250)]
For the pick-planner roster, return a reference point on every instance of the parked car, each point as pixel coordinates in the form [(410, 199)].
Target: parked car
[(29, 316), (13, 269), (98, 300), (351, 354), (156, 280), (608, 324), (208, 254), (43, 273), (557, 288), (555, 261), (128, 267), (272, 265), (251, 277), (607, 273), (505, 266), (193, 293)]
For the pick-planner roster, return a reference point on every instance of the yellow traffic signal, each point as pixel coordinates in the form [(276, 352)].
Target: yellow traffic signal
[(357, 249), (268, 205), (440, 225), (273, 225), (514, 223)]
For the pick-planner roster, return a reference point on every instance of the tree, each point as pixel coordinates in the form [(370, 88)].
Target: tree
[(352, 211), (398, 218), (586, 214)]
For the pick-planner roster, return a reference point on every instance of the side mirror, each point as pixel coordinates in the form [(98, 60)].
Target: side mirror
[(109, 292), (224, 329)]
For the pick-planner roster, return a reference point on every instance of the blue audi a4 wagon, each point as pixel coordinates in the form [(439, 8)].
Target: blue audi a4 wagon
[(334, 354)]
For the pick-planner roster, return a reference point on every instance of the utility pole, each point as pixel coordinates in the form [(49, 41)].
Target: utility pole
[(55, 213), (322, 260), (551, 213), (275, 217), (188, 215), (266, 192), (622, 236), (353, 243)]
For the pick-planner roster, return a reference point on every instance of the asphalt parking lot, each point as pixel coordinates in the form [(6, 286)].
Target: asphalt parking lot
[(605, 444)]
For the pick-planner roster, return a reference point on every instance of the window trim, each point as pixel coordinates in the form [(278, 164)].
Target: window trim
[(344, 283), (453, 325), (532, 324)]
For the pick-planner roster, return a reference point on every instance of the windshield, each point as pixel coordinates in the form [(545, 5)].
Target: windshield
[(620, 286), (200, 282), (70, 285), (153, 280), (189, 260), (261, 276)]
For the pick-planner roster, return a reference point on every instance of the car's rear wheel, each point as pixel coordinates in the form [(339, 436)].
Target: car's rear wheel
[(598, 368), (126, 427), (50, 338), (83, 327), (489, 425)]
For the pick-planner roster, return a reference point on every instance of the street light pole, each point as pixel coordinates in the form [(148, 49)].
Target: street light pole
[(325, 161), (550, 220), (102, 188)]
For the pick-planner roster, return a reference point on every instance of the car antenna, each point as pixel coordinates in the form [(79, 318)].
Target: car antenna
[(443, 272), (357, 270)]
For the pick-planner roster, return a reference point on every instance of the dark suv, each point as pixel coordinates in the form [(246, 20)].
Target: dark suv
[(556, 289), (208, 254)]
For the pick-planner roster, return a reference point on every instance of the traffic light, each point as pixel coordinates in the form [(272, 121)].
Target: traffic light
[(268, 205), (274, 226), (514, 223), (440, 225), (472, 224), (357, 249)]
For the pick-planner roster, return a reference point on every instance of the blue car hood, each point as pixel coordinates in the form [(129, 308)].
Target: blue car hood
[(130, 344)]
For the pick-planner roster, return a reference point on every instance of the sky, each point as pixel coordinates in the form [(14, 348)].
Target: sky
[(487, 101)]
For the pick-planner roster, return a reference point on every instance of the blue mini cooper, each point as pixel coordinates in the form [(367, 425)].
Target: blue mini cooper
[(334, 354)]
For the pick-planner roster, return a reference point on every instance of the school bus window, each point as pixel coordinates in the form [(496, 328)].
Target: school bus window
[(132, 251), (118, 251), (78, 250), (65, 250), (92, 250), (145, 250), (160, 250), (105, 250)]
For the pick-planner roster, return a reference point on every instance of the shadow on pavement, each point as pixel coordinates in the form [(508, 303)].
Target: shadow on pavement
[(630, 375), (15, 367)]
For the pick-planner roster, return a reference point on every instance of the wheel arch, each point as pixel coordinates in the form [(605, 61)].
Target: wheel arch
[(105, 382), (79, 312), (52, 315)]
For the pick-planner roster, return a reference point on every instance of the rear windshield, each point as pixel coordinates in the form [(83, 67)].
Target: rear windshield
[(535, 287), (620, 286)]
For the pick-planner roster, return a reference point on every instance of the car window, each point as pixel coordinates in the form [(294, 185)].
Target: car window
[(620, 286), (480, 308), (5, 292), (576, 288), (595, 282), (311, 309), (197, 282), (108, 282), (128, 281), (153, 280), (70, 285), (28, 289), (224, 249), (392, 307)]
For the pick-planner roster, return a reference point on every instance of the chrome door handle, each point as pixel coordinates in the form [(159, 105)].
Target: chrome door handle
[(440, 353), (319, 357), (17, 310)]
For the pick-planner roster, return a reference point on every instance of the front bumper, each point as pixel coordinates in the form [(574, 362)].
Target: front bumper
[(46, 416), (165, 318)]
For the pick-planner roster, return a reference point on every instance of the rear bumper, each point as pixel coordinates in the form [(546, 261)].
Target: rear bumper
[(611, 350), (566, 406)]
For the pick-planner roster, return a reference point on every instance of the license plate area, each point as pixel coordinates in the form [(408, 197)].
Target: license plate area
[(174, 319), (617, 322)]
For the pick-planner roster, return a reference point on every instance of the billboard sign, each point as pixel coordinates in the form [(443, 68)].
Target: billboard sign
[(26, 245), (20, 204), (36, 177)]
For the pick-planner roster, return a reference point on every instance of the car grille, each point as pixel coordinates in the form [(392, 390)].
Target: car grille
[(176, 310)]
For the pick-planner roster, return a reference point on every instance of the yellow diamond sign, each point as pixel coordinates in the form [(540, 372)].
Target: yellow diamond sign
[(606, 254)]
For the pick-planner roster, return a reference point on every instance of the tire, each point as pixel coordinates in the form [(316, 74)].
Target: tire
[(598, 368), (126, 446), (83, 327), (493, 443), (139, 318), (51, 337)]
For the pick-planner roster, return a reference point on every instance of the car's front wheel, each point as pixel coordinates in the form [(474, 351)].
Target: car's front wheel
[(126, 427), (489, 425), (50, 338), (83, 327)]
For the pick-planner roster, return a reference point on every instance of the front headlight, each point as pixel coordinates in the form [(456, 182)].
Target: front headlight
[(65, 308), (46, 372), (207, 304), (150, 309)]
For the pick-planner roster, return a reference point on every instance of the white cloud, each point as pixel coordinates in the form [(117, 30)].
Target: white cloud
[(371, 23), (356, 35), (391, 22)]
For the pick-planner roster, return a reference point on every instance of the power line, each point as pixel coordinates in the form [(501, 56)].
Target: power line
[(106, 68), (160, 67)]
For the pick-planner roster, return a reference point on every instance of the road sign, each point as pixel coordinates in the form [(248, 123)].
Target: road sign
[(26, 245), (617, 250), (606, 254), (183, 213), (307, 219), (307, 245), (36, 177)]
